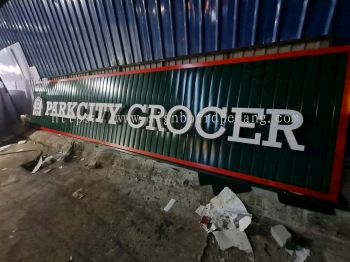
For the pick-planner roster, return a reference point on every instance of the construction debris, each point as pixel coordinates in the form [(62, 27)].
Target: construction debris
[(233, 238), (169, 205), (21, 142), (299, 253), (226, 211), (48, 161), (38, 165), (4, 147), (79, 194), (280, 234), (47, 170), (227, 218)]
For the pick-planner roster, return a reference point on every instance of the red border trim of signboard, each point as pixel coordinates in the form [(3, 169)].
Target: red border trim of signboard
[(339, 155)]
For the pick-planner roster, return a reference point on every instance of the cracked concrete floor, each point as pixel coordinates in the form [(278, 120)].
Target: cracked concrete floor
[(120, 218)]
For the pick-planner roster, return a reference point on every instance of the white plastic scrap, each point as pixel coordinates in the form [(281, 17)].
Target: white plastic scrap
[(169, 205), (22, 142), (227, 218), (226, 211), (38, 165), (233, 238)]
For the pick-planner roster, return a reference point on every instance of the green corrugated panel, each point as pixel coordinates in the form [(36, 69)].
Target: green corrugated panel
[(312, 85)]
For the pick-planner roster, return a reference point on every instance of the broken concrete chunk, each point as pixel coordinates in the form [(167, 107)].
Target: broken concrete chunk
[(233, 238), (79, 193), (169, 205), (299, 253), (280, 234)]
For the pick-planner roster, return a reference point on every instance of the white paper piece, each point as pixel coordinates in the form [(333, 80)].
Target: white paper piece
[(233, 238), (38, 165), (169, 205), (226, 211)]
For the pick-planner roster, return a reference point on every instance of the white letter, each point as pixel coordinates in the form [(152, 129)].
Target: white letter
[(156, 118), (62, 109), (113, 109), (101, 108), (54, 109), (287, 129), (189, 122), (48, 108), (70, 111), (239, 123), (221, 112), (143, 120), (79, 116), (91, 115)]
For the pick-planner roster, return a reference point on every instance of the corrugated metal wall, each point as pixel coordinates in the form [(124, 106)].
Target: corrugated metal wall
[(70, 36)]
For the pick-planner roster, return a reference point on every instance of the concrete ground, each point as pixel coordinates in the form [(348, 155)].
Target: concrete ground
[(120, 217)]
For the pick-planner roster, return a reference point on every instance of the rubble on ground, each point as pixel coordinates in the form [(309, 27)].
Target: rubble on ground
[(79, 193), (227, 217), (280, 234), (169, 205), (299, 254), (38, 165)]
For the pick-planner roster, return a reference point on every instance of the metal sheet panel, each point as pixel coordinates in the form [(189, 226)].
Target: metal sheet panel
[(65, 37), (311, 82)]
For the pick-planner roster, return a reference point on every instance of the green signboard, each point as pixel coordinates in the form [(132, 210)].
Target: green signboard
[(276, 120)]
